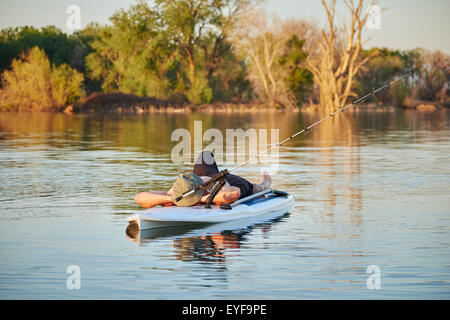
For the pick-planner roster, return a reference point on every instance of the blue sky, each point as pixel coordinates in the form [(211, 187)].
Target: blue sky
[(405, 24)]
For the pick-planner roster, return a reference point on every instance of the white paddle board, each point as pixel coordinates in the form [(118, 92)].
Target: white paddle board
[(268, 206)]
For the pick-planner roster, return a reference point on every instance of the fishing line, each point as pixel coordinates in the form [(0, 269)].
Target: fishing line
[(221, 175), (280, 144)]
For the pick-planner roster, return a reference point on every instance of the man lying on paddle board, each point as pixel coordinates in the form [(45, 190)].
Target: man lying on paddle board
[(205, 167)]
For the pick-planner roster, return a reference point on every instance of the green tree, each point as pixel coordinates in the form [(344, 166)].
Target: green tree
[(298, 78), (199, 30), (56, 44), (382, 66), (132, 55), (34, 84), (172, 47)]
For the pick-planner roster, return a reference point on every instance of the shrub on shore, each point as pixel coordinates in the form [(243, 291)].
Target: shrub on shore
[(35, 84)]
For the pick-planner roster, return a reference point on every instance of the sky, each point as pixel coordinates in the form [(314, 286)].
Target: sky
[(404, 24)]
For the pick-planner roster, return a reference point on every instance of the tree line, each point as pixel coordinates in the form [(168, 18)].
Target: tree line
[(197, 51)]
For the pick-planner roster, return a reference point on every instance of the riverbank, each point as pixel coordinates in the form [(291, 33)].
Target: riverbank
[(424, 105), (123, 103), (130, 103)]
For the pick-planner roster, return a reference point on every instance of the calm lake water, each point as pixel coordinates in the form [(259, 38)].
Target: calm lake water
[(372, 188)]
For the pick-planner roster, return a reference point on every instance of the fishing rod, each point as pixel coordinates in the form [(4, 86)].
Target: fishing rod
[(222, 174)]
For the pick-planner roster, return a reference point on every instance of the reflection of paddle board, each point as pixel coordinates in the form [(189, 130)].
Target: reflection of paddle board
[(268, 206), (241, 226)]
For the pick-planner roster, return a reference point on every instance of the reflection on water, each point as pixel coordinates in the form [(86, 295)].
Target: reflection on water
[(341, 131), (371, 188), (207, 248), (207, 245)]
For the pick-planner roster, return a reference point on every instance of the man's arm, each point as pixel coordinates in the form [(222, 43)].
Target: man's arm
[(225, 195), (153, 198), (150, 199)]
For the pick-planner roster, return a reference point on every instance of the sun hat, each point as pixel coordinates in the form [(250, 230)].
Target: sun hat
[(186, 182)]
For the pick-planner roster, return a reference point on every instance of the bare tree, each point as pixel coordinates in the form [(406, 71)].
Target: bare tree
[(336, 60), (304, 29), (262, 38), (434, 71), (259, 38)]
